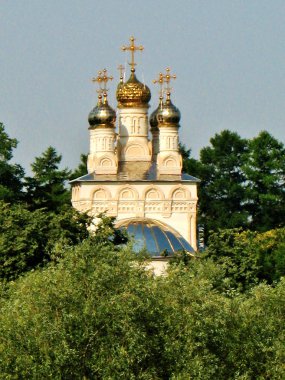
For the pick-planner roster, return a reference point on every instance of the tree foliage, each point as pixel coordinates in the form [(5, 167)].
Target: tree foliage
[(47, 186), (265, 174), (81, 169), (29, 239), (242, 182), (11, 175), (247, 257), (99, 314)]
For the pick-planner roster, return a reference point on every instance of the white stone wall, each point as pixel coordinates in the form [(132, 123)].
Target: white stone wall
[(102, 157), (133, 143), (173, 204)]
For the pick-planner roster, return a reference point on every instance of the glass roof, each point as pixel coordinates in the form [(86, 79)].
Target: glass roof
[(157, 239)]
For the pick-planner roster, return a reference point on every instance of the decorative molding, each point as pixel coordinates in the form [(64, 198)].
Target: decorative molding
[(102, 191), (179, 192)]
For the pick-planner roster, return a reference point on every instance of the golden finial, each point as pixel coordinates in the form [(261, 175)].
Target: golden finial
[(159, 81), (132, 48), (121, 69), (102, 79), (166, 79)]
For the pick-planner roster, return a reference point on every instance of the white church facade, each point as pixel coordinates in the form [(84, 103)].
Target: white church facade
[(134, 169)]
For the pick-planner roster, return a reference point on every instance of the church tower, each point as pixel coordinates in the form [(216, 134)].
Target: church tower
[(133, 97), (136, 175), (102, 158)]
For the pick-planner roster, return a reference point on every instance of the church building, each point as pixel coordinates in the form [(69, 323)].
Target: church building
[(135, 174)]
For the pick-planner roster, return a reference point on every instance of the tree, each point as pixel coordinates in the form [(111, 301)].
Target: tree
[(90, 319), (222, 190), (31, 239), (248, 257), (99, 314), (81, 169), (107, 234), (190, 165), (265, 174), (11, 175), (47, 187)]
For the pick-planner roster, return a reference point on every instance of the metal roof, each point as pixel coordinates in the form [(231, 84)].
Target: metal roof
[(135, 171)]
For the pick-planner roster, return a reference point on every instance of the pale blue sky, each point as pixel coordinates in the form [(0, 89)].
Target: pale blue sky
[(228, 55)]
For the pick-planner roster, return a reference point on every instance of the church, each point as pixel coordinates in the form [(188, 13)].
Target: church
[(134, 168)]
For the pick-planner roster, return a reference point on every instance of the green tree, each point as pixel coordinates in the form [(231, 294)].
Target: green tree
[(222, 190), (190, 165), (265, 174), (248, 257), (11, 175), (30, 239), (99, 314), (81, 169), (87, 317), (107, 234), (47, 186)]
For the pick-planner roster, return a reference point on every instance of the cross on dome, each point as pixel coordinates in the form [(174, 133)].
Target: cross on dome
[(132, 48), (166, 79), (121, 69), (102, 79), (164, 82), (159, 81)]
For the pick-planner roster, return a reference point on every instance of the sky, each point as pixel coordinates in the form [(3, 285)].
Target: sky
[(228, 56)]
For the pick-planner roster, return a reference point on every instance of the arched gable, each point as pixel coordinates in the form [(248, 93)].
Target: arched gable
[(179, 193), (127, 193), (153, 193), (135, 150), (101, 194)]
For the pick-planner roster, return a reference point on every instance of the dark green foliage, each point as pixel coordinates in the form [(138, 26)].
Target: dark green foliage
[(86, 317), (29, 239), (11, 175), (98, 314), (265, 173), (222, 192), (107, 234), (47, 187), (242, 182), (248, 258), (81, 169), (190, 165)]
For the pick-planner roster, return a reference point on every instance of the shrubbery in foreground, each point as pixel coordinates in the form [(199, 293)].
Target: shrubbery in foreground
[(98, 314)]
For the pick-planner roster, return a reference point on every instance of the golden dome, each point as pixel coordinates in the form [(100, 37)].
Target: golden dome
[(133, 93)]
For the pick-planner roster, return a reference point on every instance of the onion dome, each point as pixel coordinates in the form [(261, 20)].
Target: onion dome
[(153, 117), (102, 114), (169, 114), (133, 93)]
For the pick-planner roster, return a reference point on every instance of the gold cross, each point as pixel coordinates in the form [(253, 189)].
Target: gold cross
[(160, 83), (167, 78), (102, 79), (132, 48), (121, 69)]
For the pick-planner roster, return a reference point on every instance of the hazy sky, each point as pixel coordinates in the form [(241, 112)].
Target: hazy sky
[(228, 55)]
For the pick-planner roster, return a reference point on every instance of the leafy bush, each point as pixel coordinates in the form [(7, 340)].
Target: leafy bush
[(98, 313)]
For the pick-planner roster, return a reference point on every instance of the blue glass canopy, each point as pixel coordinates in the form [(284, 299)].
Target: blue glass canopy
[(157, 239)]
